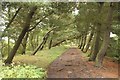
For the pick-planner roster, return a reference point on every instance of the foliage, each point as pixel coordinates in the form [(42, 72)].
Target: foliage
[(113, 49), (63, 17), (22, 71)]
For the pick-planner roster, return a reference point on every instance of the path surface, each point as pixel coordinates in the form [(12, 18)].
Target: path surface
[(73, 64)]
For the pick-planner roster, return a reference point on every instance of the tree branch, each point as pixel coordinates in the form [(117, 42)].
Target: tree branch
[(8, 25), (13, 17), (69, 38), (39, 22)]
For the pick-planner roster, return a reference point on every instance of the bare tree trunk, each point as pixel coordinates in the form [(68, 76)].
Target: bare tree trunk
[(37, 40), (92, 47), (45, 38), (84, 41), (106, 38), (118, 49), (31, 42), (81, 42), (103, 49), (50, 44), (96, 45), (51, 39), (97, 35), (21, 36), (41, 46), (89, 41), (8, 41), (24, 43)]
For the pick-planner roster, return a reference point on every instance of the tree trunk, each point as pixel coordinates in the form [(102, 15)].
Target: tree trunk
[(92, 45), (8, 41), (96, 44), (50, 44), (37, 40), (41, 46), (118, 50), (103, 49), (21, 36), (81, 42), (106, 38), (84, 42), (31, 42), (89, 41), (97, 36), (24, 43), (45, 38), (51, 40)]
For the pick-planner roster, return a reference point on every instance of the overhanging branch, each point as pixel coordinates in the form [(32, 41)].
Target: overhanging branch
[(39, 22), (12, 19)]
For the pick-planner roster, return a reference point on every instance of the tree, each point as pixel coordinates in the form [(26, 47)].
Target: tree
[(89, 41), (96, 44), (24, 43), (42, 44), (106, 37), (12, 19), (21, 36)]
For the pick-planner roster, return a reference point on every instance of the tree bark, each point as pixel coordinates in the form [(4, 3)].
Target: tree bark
[(8, 41), (92, 47), (84, 41), (81, 42), (41, 46), (31, 42), (50, 43), (89, 41), (21, 36), (24, 43), (97, 35), (96, 44), (106, 38), (51, 40)]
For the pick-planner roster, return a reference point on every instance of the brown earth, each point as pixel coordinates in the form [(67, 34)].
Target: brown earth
[(74, 64)]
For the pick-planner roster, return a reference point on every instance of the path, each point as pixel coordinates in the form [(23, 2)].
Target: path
[(72, 64)]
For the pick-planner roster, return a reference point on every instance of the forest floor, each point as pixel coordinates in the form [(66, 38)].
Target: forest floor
[(74, 64)]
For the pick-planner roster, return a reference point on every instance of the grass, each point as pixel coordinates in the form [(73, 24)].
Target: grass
[(42, 58)]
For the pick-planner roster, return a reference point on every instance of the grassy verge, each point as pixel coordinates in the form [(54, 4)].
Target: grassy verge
[(42, 58)]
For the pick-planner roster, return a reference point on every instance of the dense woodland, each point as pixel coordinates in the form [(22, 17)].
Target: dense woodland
[(37, 26)]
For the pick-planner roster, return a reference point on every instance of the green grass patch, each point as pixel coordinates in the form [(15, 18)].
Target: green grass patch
[(42, 58)]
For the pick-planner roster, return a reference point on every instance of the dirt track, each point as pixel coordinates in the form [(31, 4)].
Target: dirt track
[(72, 64)]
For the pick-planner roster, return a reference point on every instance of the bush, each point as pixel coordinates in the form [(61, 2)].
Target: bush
[(22, 71)]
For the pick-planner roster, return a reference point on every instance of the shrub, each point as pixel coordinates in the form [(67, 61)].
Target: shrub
[(22, 71)]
